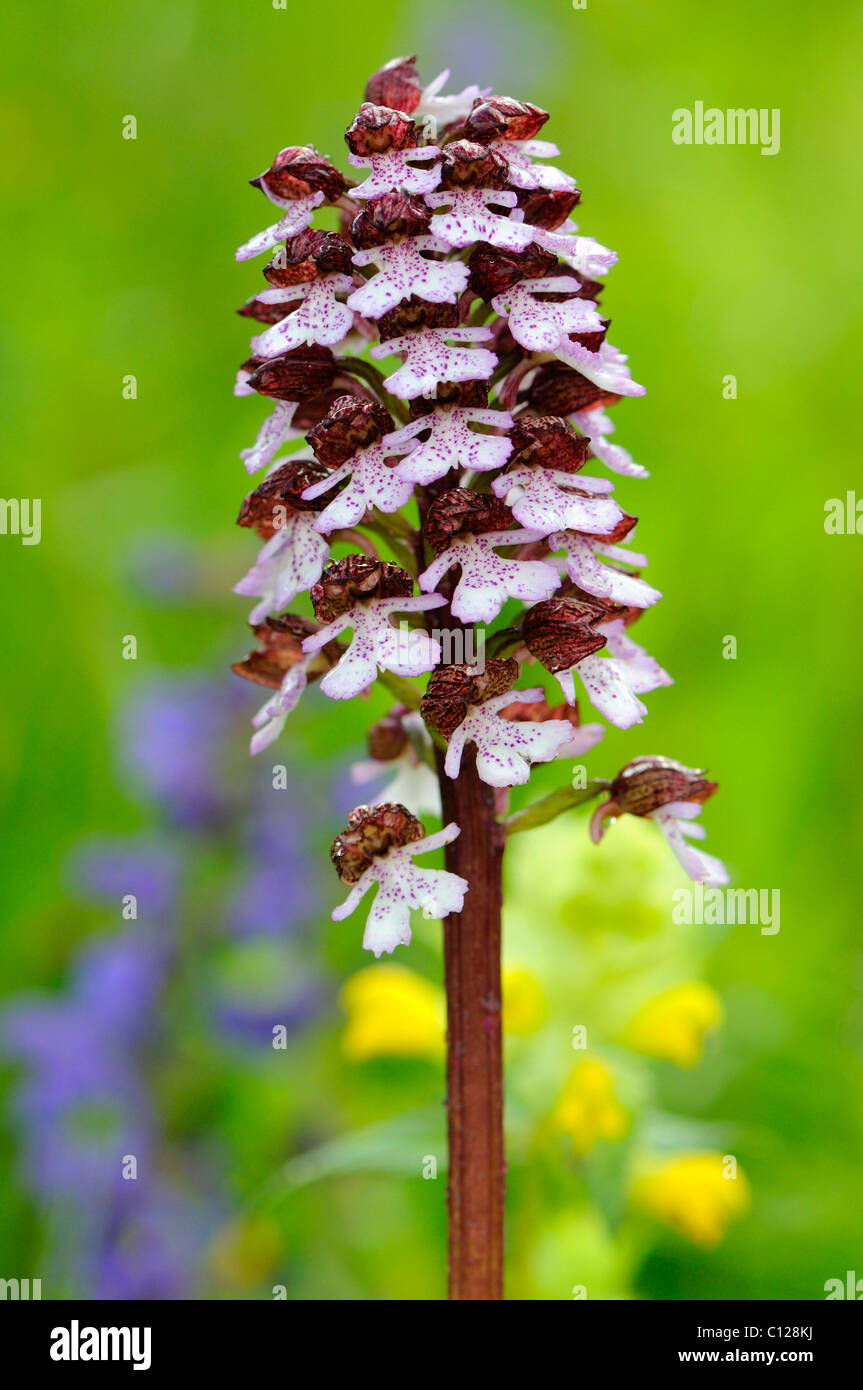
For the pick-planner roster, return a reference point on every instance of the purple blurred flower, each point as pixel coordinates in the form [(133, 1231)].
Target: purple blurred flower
[(173, 739), (153, 1245), (111, 869)]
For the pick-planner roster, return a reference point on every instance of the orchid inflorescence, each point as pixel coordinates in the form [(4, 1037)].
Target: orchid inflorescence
[(457, 266)]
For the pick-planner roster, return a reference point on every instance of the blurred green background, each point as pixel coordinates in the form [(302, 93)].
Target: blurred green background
[(119, 260)]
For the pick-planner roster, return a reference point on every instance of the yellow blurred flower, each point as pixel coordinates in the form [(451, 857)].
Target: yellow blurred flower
[(697, 1194), (675, 1023), (587, 1109), (246, 1251), (524, 1004), (392, 1012)]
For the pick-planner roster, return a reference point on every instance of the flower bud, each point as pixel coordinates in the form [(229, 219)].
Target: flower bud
[(548, 442), (281, 648), (356, 579), (282, 490), (298, 171), (296, 374), (307, 256), (350, 424), (466, 164), (559, 632), (548, 208), (460, 510), (493, 271), (387, 738), (393, 214), (560, 390), (646, 784), (254, 308), (451, 689), (415, 314), (372, 831), (379, 129), (396, 84), (503, 118), (463, 395)]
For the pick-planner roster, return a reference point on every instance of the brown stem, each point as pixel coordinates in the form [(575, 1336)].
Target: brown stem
[(472, 941)]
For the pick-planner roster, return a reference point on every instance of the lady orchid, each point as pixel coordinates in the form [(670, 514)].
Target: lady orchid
[(446, 490)]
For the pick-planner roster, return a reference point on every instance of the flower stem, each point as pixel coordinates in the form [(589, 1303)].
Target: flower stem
[(472, 941)]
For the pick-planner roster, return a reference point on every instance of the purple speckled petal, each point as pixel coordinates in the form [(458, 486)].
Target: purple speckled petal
[(595, 425), (607, 368), (404, 272), (487, 580), (429, 360), (451, 444), (469, 219), (373, 484), (297, 217), (506, 748), (289, 563), (393, 170), (541, 326), (540, 501), (605, 581), (319, 319), (274, 432)]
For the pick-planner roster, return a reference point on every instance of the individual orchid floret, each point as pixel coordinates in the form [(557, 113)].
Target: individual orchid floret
[(361, 593), (463, 527), (540, 325), (672, 795), (429, 359), (320, 318), (281, 664), (355, 427), (542, 484), (561, 633), (463, 704), (400, 748), (583, 556), (299, 180), (385, 141), (297, 375), (450, 442), (314, 267), (596, 427), (403, 271), (378, 846), (295, 552)]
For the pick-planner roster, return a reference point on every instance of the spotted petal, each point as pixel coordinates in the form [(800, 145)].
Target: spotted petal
[(289, 563), (451, 444), (404, 272), (469, 219)]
